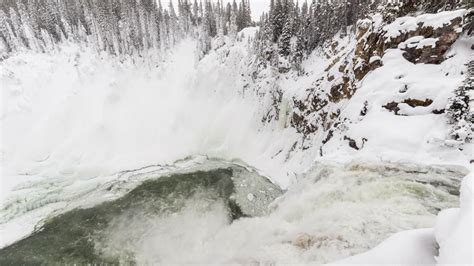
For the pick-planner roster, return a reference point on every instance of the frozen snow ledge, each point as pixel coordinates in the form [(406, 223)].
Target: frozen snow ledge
[(450, 242)]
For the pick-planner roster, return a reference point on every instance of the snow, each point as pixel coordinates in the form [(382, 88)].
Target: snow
[(431, 42), (374, 59), (406, 24), (415, 39), (418, 42)]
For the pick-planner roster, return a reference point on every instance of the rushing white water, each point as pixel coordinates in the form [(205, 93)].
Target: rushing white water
[(335, 211), (75, 114)]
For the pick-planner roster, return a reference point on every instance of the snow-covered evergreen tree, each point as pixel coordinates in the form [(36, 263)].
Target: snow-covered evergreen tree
[(284, 44)]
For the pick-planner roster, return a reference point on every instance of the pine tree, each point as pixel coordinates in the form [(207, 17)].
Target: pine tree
[(27, 27), (5, 33), (233, 28), (196, 17), (277, 20), (16, 31), (285, 39), (248, 14), (173, 25), (298, 53)]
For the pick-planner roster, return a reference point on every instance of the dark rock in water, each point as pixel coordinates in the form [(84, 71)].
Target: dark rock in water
[(72, 237)]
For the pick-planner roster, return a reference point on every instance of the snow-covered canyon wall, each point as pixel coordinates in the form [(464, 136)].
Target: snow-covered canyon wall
[(383, 91)]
